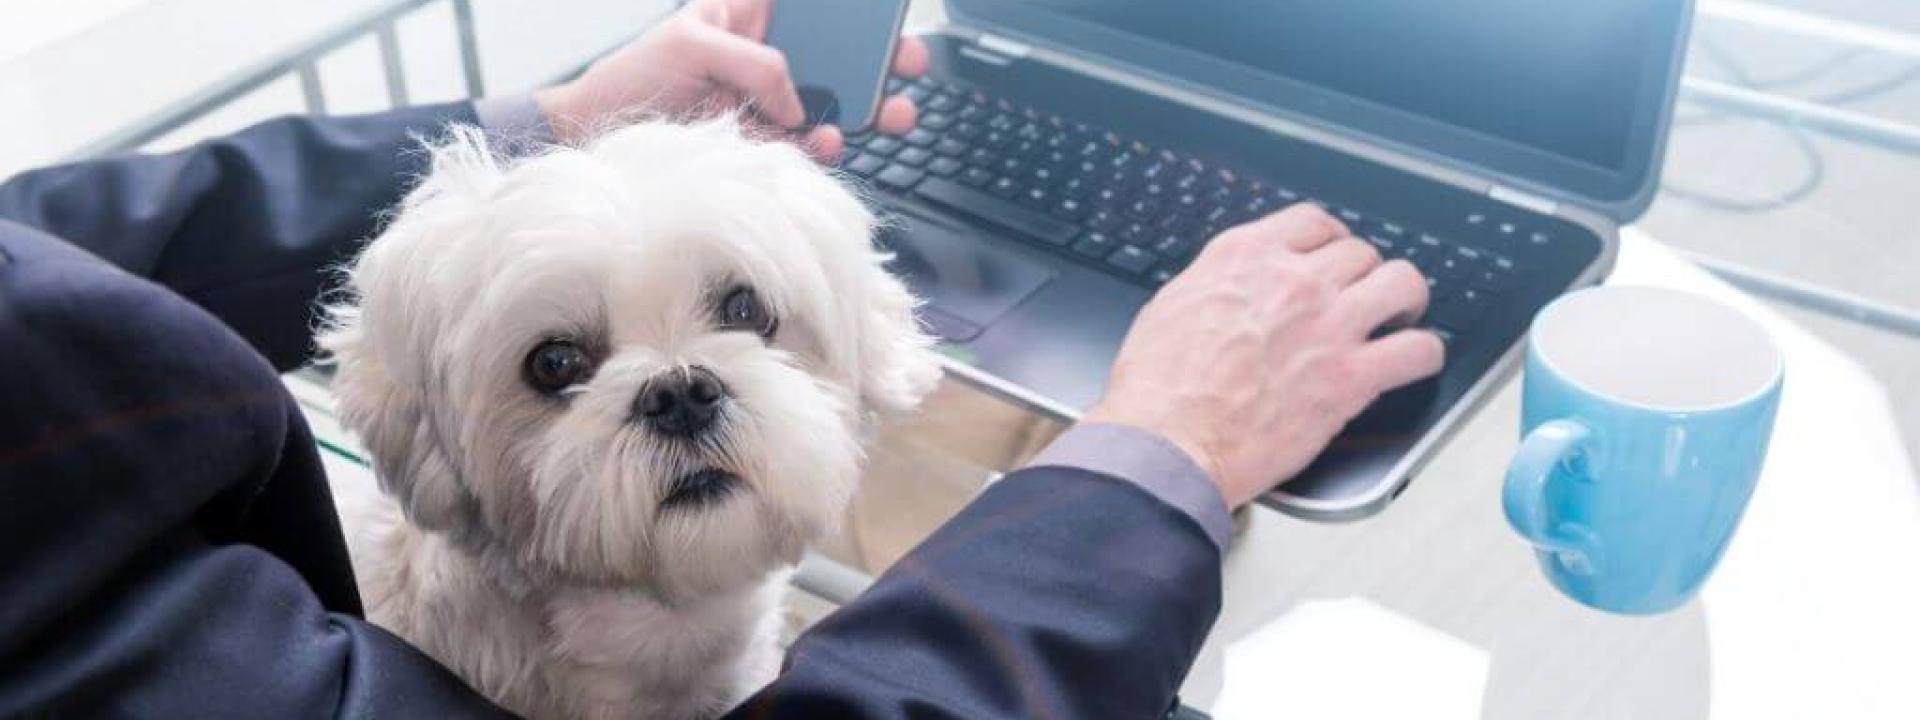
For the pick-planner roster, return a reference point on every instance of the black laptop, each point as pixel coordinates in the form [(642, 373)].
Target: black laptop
[(1073, 155)]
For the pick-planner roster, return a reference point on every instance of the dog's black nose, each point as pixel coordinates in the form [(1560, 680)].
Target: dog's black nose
[(681, 402)]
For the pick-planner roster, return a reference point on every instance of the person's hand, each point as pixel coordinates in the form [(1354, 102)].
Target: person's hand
[(1253, 359), (708, 57)]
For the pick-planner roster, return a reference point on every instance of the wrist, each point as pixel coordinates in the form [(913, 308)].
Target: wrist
[(1198, 452), (558, 107)]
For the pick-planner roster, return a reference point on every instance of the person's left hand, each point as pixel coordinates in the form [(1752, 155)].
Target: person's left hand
[(708, 57)]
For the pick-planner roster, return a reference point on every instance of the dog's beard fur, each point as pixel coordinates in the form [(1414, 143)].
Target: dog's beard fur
[(530, 515)]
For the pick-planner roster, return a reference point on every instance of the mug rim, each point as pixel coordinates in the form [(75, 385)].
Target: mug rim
[(1774, 378)]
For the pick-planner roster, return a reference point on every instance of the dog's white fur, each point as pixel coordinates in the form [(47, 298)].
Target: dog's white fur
[(522, 540)]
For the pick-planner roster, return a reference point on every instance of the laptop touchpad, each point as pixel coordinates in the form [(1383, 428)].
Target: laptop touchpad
[(967, 283)]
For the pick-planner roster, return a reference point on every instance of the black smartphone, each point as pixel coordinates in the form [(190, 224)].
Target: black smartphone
[(839, 52)]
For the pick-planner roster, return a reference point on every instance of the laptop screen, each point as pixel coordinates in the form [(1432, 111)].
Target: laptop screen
[(1566, 93)]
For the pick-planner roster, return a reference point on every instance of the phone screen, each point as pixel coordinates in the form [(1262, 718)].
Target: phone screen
[(839, 52)]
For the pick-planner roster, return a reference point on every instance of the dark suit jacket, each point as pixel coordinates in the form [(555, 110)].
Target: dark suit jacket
[(168, 549)]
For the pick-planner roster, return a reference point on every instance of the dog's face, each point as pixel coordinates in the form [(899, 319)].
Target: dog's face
[(651, 361)]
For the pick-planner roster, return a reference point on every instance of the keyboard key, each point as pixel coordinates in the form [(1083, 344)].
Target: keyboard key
[(1036, 197), (1257, 206), (899, 177), (950, 147), (1174, 221), (1095, 245), (921, 137), (1004, 186), (1451, 267), (936, 121), (1173, 245), (996, 211), (913, 157), (1497, 276), (1044, 176), (1161, 275), (883, 145), (1075, 187), (866, 165), (1133, 259), (1103, 220), (944, 167), (1460, 312), (942, 103), (982, 158), (1070, 210), (1428, 262), (976, 177)]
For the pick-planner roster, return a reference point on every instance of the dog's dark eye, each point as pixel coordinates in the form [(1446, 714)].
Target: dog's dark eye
[(741, 309), (556, 365)]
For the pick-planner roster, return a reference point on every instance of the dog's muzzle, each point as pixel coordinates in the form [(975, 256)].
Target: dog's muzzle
[(700, 488), (682, 402)]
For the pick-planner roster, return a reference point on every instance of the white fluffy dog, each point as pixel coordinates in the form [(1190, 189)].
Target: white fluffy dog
[(614, 391)]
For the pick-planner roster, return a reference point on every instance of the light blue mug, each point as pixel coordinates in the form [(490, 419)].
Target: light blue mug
[(1646, 415)]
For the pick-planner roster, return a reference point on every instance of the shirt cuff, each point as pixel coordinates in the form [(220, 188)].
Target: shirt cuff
[(514, 123), (1151, 463)]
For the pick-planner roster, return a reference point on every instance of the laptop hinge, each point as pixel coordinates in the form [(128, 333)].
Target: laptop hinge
[(1510, 196), (1011, 49)]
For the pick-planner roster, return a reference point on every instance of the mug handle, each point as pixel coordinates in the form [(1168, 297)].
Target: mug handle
[(1524, 495)]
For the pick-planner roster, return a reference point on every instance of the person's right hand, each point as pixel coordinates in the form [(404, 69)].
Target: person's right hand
[(710, 56), (1255, 357)]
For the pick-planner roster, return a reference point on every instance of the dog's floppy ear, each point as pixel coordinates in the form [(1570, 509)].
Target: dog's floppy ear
[(390, 418), (382, 329), (897, 359)]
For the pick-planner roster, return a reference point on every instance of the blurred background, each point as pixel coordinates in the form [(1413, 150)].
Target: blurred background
[(1824, 225)]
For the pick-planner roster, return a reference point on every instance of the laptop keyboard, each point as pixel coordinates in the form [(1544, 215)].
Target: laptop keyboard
[(1133, 211)]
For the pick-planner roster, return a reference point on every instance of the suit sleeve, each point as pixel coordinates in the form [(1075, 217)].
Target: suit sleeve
[(247, 225), (1058, 593), (168, 548)]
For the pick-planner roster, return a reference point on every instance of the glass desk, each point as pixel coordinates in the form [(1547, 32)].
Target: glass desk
[(1435, 609)]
